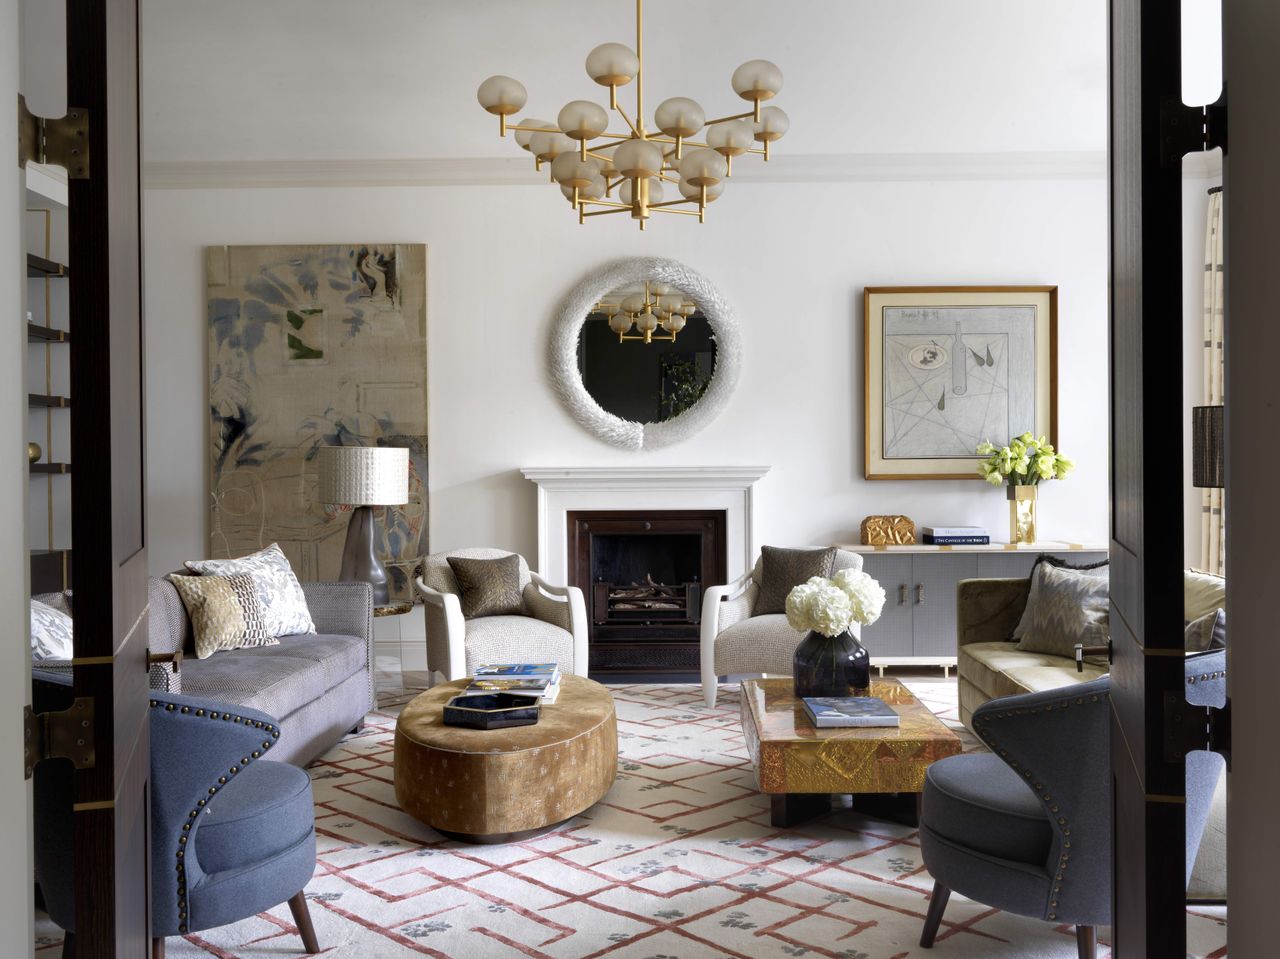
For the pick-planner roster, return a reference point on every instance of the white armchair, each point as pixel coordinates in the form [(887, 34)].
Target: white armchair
[(552, 627), (734, 643)]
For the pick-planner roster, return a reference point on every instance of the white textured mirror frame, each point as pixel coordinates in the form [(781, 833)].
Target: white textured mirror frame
[(566, 379)]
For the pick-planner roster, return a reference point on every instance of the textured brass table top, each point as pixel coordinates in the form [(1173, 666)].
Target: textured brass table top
[(791, 756)]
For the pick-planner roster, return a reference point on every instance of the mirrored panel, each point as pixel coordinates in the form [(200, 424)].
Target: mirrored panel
[(646, 352)]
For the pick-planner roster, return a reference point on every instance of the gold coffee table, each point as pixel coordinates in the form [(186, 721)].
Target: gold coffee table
[(800, 767)]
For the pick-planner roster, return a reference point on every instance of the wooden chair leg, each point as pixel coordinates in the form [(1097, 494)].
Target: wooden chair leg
[(302, 919), (157, 948), (1087, 941), (933, 919)]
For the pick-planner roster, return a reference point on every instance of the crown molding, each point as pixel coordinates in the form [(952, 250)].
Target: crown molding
[(516, 171)]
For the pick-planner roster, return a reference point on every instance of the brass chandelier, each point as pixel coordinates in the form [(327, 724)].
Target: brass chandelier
[(656, 306), (589, 163)]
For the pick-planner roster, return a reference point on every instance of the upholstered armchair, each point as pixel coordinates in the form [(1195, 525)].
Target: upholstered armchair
[(551, 627), (231, 835), (1027, 827), (736, 643)]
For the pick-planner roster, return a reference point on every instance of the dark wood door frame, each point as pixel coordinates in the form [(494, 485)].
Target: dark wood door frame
[(1146, 523), (109, 563)]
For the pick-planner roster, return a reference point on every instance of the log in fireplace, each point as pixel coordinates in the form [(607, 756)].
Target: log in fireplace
[(643, 573)]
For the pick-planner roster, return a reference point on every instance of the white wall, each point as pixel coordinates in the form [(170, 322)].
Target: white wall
[(793, 257)]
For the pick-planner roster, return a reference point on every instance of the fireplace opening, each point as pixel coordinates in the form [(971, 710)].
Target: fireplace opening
[(642, 574)]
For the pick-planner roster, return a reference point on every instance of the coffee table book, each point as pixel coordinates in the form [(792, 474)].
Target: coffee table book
[(841, 712)]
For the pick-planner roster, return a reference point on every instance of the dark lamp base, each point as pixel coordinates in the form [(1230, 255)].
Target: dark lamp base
[(360, 562)]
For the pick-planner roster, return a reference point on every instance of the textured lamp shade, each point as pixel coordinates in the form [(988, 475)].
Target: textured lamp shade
[(1208, 467), (364, 475)]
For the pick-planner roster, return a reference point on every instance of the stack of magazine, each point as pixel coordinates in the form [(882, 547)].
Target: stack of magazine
[(526, 679), (955, 535), (836, 712)]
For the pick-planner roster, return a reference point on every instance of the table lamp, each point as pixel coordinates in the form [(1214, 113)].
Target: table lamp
[(364, 477), (1208, 447)]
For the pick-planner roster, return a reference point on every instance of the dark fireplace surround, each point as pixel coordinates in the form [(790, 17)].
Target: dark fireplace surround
[(642, 573)]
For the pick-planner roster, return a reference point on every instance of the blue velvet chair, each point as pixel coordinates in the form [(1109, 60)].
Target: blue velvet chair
[(1027, 827), (231, 835)]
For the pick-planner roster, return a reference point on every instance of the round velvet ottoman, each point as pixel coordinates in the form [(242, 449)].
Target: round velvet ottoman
[(505, 784)]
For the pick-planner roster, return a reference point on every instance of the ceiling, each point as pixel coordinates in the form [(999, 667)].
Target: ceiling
[(331, 80)]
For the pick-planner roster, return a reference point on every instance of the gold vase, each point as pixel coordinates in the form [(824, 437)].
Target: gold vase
[(1022, 513)]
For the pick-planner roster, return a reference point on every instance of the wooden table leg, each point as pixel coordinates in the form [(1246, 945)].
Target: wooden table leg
[(791, 809)]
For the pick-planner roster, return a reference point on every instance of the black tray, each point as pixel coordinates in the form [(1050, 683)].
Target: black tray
[(492, 710)]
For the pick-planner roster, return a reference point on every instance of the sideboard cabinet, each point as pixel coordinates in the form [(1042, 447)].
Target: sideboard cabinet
[(918, 625)]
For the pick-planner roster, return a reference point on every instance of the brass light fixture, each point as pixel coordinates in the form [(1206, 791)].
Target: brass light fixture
[(589, 163), (657, 306)]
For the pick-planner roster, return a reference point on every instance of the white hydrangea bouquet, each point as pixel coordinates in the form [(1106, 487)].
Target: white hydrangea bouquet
[(1024, 462), (831, 606)]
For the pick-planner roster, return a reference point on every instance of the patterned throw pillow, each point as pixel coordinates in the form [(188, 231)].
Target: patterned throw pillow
[(285, 606), (226, 612), (1066, 606), (490, 587), (50, 632), (781, 570), (1101, 570), (1207, 632)]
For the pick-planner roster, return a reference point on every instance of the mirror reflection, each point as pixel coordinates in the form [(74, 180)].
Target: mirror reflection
[(646, 353)]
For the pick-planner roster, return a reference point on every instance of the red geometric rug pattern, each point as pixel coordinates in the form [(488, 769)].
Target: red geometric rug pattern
[(679, 861)]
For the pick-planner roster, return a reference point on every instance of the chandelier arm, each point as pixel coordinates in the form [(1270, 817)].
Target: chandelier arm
[(636, 134), (611, 203), (661, 208), (749, 115), (617, 138), (622, 209)]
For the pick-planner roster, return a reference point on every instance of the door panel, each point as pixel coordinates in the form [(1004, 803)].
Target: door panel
[(109, 563), (933, 595), (1146, 556), (890, 635)]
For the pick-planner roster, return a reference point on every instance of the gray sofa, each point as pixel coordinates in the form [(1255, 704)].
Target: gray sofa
[(319, 686)]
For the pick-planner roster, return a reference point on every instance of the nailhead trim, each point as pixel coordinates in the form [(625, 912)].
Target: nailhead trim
[(222, 780), (984, 723)]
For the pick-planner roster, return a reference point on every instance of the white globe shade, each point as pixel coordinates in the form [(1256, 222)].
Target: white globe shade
[(608, 309), (636, 158), (659, 289), (692, 192), (568, 169), (549, 144), (620, 323), (703, 167), (757, 80), (633, 303), (524, 136), (655, 191), (773, 124), (593, 190), (605, 159), (502, 95), (731, 139), (679, 117), (688, 309), (670, 301), (646, 323), (612, 64), (674, 323), (582, 119)]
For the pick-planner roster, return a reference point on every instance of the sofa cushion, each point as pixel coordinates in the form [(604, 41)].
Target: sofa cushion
[(1034, 679), (286, 606), (1101, 570), (760, 644), (517, 639), (226, 612), (1201, 593), (276, 679), (983, 664), (1207, 632), (1065, 607), (978, 802), (263, 810)]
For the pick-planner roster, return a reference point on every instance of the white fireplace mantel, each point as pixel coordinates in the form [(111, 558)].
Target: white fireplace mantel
[(565, 489)]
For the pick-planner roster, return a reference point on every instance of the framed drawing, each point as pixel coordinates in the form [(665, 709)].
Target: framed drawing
[(947, 367), (314, 346)]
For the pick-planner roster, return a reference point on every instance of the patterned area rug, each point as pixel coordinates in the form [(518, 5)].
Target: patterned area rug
[(679, 861)]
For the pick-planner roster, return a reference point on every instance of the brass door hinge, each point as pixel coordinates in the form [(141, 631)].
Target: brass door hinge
[(62, 142), (59, 735), (1189, 728)]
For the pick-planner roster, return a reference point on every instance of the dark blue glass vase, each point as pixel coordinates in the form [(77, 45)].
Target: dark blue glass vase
[(831, 665)]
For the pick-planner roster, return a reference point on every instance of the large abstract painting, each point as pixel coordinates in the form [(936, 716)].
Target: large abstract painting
[(314, 346), (950, 367)]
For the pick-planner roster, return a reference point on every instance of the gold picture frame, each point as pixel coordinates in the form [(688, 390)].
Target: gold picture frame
[(989, 353)]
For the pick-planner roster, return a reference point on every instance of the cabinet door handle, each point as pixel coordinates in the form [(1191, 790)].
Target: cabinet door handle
[(919, 594), (902, 595)]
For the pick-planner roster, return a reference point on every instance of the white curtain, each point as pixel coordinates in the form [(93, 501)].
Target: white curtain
[(1213, 520)]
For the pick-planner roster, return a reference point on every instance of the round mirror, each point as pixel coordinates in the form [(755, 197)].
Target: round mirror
[(645, 353)]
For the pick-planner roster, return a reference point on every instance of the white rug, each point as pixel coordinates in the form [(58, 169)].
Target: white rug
[(679, 861)]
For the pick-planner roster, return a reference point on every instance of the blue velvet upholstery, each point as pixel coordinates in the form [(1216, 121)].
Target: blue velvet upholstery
[(230, 836), (978, 833)]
